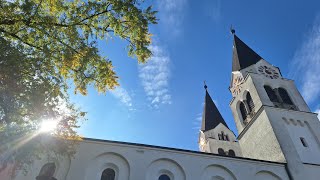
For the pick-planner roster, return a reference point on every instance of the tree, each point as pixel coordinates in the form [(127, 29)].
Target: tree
[(64, 34), (43, 44), (29, 95)]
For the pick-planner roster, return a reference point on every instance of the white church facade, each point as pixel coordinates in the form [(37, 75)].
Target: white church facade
[(279, 138)]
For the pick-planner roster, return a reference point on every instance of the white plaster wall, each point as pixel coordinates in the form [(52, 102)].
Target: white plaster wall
[(225, 145), (217, 172), (266, 175), (148, 162), (213, 143), (112, 160), (298, 129), (165, 166), (62, 168), (313, 171), (259, 141)]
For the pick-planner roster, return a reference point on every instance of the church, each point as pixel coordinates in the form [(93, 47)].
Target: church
[(279, 138)]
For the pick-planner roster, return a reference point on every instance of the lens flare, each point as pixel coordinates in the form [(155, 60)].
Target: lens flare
[(48, 125)]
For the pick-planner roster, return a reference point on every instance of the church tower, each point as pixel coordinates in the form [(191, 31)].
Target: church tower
[(273, 120), (215, 135)]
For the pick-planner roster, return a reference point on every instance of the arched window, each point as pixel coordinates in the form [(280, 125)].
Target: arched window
[(164, 177), (250, 102), (222, 135), (47, 171), (108, 174), (271, 94), (221, 151), (284, 96), (243, 111), (227, 137), (231, 153)]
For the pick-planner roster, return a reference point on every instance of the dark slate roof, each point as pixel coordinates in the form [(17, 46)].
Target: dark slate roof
[(243, 55), (211, 116)]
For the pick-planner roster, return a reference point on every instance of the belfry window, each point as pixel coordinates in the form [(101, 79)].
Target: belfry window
[(243, 111), (285, 96), (271, 94), (250, 102), (164, 177), (280, 98), (223, 136), (108, 174)]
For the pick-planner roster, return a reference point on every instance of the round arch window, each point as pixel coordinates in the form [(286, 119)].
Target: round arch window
[(108, 174), (164, 177)]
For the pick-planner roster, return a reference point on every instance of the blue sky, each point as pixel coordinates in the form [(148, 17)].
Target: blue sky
[(161, 102)]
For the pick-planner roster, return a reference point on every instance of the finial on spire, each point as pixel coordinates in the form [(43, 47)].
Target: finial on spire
[(205, 85), (232, 30)]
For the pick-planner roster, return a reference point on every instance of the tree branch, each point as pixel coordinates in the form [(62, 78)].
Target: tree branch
[(20, 39)]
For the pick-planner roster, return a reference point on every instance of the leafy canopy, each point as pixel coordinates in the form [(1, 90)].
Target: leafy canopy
[(29, 95), (64, 34), (43, 44)]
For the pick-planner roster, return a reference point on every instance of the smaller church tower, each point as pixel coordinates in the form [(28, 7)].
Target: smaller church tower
[(215, 136)]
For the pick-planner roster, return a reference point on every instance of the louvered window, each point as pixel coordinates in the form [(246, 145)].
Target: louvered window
[(250, 102), (271, 94), (284, 96), (243, 111)]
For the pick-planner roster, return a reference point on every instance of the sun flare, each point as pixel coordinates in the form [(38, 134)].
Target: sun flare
[(48, 125)]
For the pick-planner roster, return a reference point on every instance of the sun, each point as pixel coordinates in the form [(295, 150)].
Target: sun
[(48, 125)]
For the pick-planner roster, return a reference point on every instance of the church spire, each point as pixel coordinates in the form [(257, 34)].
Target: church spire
[(211, 116), (243, 55)]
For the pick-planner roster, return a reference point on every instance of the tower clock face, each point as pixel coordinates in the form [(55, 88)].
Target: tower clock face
[(268, 72), (236, 86)]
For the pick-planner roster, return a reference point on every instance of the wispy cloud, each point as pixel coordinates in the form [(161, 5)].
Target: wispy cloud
[(172, 14), (155, 77), (306, 64), (212, 9), (197, 123), (123, 96)]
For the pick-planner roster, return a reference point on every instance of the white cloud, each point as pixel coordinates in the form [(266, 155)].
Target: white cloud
[(172, 14), (154, 76), (318, 111), (306, 64), (122, 95)]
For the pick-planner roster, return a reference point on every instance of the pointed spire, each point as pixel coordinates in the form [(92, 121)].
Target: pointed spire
[(243, 55), (211, 116)]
